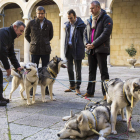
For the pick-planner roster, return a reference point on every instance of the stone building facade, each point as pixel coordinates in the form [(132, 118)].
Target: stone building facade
[(125, 15)]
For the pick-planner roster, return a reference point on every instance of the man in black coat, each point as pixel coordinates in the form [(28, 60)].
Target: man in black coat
[(97, 41), (7, 36), (39, 33), (74, 48)]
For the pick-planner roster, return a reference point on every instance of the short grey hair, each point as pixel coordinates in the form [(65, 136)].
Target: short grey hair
[(18, 23), (97, 3), (40, 8)]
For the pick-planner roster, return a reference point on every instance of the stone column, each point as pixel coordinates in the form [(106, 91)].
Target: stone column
[(62, 37), (109, 12), (26, 45)]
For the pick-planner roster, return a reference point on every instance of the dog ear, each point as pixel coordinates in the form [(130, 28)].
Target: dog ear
[(71, 114), (80, 118), (54, 59), (135, 85)]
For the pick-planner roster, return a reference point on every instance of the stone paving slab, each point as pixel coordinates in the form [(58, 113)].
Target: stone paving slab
[(42, 121)]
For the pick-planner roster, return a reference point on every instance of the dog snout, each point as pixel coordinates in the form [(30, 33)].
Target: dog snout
[(24, 67), (58, 135)]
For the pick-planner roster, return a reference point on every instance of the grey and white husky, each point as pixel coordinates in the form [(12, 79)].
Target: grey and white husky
[(120, 95), (81, 125), (48, 74)]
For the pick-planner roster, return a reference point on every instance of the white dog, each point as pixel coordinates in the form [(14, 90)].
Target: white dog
[(27, 80), (82, 124), (122, 94)]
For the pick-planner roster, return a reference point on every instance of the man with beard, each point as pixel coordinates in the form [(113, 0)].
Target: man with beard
[(39, 33), (74, 49)]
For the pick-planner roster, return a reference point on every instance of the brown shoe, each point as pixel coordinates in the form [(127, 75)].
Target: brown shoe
[(88, 95), (104, 97), (77, 91), (70, 89)]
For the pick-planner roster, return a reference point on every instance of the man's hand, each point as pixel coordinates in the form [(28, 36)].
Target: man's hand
[(8, 72), (19, 69), (89, 46)]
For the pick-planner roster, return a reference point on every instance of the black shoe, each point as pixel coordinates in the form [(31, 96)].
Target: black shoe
[(3, 103), (5, 100)]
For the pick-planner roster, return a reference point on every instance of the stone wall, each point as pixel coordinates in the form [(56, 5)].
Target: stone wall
[(126, 30), (11, 15)]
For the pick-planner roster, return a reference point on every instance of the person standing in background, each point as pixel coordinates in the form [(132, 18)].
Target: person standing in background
[(39, 33)]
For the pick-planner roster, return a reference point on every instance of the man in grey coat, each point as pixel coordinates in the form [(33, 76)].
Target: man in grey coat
[(74, 49), (97, 41)]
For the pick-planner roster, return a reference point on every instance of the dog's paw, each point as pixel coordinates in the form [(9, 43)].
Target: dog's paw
[(23, 98), (44, 101), (124, 120), (101, 138), (53, 99), (72, 137), (114, 132), (132, 130), (33, 102), (28, 103)]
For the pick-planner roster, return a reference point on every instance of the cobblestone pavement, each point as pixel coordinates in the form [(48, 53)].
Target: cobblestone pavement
[(42, 121)]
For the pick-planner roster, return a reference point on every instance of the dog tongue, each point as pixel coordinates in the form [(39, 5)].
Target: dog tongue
[(25, 72), (63, 66)]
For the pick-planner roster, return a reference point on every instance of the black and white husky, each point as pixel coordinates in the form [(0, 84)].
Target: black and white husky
[(48, 74)]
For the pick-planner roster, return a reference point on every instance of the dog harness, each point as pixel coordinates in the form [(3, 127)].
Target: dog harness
[(90, 125), (52, 72)]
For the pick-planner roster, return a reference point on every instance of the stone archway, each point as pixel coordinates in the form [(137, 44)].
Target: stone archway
[(56, 39), (3, 3)]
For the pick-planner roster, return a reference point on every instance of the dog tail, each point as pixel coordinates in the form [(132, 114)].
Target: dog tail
[(15, 73)]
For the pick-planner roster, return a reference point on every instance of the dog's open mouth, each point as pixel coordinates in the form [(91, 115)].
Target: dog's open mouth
[(27, 71), (63, 66)]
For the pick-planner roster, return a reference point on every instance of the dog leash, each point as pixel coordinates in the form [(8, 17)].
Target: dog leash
[(79, 94), (6, 85), (126, 133)]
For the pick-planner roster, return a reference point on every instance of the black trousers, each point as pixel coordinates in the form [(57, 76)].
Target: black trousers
[(44, 58), (99, 59), (1, 84), (77, 63)]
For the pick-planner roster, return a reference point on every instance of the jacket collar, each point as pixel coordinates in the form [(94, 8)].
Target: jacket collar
[(78, 23), (14, 35), (103, 12)]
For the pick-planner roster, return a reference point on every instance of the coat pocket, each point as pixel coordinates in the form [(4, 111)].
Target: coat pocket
[(47, 47), (33, 47)]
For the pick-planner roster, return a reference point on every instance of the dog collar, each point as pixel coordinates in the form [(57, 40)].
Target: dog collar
[(90, 125), (52, 72)]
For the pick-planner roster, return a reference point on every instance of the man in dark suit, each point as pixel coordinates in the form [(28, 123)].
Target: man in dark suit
[(74, 49)]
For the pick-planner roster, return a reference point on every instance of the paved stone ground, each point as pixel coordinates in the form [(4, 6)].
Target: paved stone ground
[(42, 121)]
